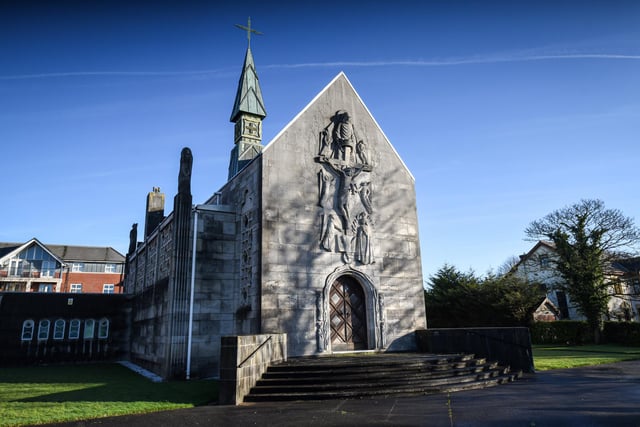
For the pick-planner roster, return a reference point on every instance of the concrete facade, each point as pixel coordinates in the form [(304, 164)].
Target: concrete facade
[(316, 238), (297, 269)]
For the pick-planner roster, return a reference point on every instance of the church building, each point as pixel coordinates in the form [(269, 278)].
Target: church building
[(314, 235)]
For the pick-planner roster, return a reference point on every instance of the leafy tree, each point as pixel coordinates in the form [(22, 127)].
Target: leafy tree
[(456, 299), (587, 239)]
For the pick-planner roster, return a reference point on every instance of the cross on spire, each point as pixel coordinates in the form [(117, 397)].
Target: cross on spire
[(249, 30)]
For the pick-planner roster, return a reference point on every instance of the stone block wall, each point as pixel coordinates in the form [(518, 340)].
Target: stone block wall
[(215, 297), (243, 361), (148, 282), (308, 191)]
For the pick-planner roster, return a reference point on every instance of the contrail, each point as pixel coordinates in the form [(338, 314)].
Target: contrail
[(111, 73), (454, 61), (407, 63)]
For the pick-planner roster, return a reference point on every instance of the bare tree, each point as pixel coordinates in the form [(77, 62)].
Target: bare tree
[(588, 238), (508, 265)]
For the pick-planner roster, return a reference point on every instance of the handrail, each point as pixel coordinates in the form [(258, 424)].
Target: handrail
[(255, 351)]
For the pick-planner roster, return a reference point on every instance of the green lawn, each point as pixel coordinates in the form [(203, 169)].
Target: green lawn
[(560, 356), (38, 395)]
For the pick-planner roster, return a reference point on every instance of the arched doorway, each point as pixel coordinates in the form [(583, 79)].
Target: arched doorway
[(347, 315)]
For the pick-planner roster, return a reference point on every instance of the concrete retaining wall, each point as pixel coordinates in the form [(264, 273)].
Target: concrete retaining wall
[(243, 361)]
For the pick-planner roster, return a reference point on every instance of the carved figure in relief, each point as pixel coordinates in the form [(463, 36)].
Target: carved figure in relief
[(325, 182), (344, 135), (325, 144), (365, 196), (332, 238), (363, 250), (346, 189), (361, 151)]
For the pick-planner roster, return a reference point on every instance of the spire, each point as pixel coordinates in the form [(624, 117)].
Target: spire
[(249, 96), (248, 112)]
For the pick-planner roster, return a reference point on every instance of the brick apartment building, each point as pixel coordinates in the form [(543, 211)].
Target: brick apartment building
[(36, 267)]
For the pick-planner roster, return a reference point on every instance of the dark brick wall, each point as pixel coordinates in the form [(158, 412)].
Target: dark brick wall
[(16, 308)]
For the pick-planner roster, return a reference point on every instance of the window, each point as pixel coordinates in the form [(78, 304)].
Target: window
[(45, 287), (77, 267), (563, 304), (108, 289), (43, 330), (89, 326), (617, 288), (103, 328), (76, 288), (544, 261), (15, 267), (48, 268), (27, 330), (110, 268), (74, 329), (58, 329)]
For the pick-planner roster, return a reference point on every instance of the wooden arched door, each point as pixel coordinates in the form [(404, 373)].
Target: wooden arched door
[(348, 314)]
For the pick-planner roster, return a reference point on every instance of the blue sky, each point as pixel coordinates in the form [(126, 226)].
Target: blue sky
[(503, 111)]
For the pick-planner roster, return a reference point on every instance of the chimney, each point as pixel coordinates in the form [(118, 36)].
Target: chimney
[(155, 211)]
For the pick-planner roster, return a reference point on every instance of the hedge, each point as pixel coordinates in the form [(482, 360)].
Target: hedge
[(625, 333), (561, 332), (576, 332)]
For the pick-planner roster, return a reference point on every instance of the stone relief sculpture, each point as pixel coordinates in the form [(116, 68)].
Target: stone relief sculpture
[(363, 250), (344, 191), (321, 325), (381, 321)]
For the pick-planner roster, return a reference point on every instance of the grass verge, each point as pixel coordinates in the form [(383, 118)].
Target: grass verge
[(557, 356), (39, 395)]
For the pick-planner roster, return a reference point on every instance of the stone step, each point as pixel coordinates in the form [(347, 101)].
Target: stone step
[(409, 390), (352, 376), (364, 383), (301, 377)]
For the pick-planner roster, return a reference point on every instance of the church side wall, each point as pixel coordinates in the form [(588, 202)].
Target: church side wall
[(227, 272), (243, 195), (148, 281), (214, 298), (316, 208)]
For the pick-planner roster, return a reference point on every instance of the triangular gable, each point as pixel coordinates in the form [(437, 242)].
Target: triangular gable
[(340, 75), (26, 245), (532, 251)]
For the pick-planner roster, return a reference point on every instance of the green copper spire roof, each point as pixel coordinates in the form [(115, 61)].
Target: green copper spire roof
[(249, 95)]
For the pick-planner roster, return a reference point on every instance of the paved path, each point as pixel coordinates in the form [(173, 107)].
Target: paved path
[(605, 395)]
